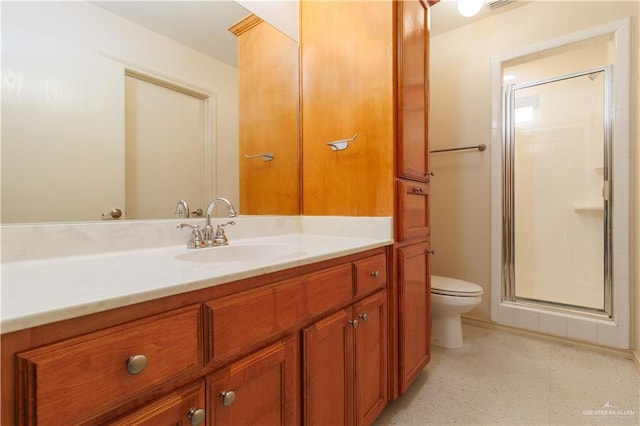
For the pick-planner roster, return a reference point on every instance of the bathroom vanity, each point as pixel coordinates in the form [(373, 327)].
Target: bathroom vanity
[(324, 333), (300, 336)]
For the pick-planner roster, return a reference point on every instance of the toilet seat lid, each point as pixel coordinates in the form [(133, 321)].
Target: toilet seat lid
[(454, 287)]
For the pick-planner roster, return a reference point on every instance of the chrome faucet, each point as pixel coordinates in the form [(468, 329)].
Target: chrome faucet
[(218, 237)]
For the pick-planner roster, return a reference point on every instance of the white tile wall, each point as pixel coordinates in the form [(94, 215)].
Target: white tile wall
[(582, 329)]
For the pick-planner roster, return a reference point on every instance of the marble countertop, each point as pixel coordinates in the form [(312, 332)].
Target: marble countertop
[(44, 290)]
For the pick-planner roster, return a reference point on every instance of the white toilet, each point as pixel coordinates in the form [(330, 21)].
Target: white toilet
[(451, 298)]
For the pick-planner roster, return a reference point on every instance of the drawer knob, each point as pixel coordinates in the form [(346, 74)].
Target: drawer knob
[(136, 364), (364, 317), (195, 416), (227, 398), (354, 323), (431, 252), (375, 274)]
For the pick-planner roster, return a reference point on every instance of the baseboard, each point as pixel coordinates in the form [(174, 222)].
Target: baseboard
[(623, 353), (636, 359)]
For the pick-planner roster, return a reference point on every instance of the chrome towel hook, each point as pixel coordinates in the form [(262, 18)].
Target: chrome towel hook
[(267, 156), (341, 144)]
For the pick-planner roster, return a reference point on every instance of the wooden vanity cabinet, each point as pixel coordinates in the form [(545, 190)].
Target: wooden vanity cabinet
[(226, 355), (345, 369)]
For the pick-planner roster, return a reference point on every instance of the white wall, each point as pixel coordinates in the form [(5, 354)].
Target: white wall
[(461, 115), (91, 34), (635, 247)]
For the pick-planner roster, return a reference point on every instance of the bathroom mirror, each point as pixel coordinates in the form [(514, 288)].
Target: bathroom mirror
[(80, 82)]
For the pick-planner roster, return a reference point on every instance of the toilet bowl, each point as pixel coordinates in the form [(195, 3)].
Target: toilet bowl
[(450, 298)]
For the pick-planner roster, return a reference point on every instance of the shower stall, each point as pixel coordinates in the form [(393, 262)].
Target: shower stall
[(560, 186), (556, 245)]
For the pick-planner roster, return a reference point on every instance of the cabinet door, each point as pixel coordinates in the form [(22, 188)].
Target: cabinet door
[(414, 312), (413, 90), (328, 371), (370, 358), (183, 407), (347, 85), (260, 389)]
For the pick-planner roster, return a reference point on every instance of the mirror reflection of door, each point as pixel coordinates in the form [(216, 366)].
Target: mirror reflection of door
[(165, 147)]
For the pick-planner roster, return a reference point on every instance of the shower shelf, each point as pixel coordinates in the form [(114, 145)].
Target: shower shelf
[(588, 207)]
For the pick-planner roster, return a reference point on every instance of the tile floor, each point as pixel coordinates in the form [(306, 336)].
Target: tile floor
[(500, 378)]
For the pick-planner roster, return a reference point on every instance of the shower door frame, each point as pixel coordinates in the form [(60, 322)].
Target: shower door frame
[(508, 196)]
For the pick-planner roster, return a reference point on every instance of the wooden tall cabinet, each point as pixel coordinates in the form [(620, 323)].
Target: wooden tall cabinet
[(364, 73)]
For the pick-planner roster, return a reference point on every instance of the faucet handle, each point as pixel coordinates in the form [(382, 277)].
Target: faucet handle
[(219, 237), (220, 225), (195, 240)]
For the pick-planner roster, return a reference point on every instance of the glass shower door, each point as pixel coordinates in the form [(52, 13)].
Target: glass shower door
[(557, 196)]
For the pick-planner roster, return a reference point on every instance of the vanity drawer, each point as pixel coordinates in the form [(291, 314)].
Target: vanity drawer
[(245, 320), (371, 274), (413, 211), (183, 406), (81, 378)]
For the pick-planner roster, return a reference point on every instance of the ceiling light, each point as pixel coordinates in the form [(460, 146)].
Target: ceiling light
[(468, 8)]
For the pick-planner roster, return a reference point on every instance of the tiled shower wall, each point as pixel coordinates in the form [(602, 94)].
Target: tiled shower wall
[(558, 175)]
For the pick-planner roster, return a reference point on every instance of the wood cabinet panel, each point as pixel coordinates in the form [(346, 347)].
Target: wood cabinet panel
[(413, 211), (246, 319), (81, 378), (370, 274), (371, 366), (347, 62), (414, 299), (171, 410), (268, 118), (327, 382), (345, 372), (265, 387), (413, 90)]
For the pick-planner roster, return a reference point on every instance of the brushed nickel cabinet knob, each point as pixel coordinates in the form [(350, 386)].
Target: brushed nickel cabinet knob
[(136, 364), (227, 398), (195, 416)]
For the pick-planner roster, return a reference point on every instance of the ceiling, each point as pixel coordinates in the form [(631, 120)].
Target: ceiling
[(203, 25), (445, 16)]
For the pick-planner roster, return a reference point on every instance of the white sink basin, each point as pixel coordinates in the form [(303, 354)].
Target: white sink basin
[(238, 253)]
